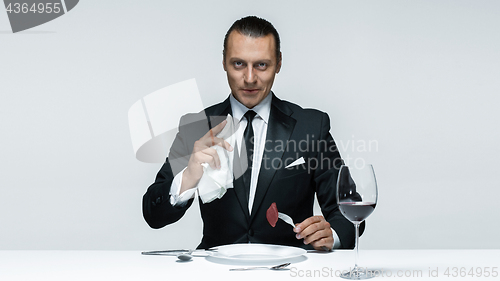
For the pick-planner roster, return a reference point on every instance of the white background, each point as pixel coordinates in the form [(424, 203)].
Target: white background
[(418, 78)]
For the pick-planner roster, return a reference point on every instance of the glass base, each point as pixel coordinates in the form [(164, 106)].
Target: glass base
[(358, 274)]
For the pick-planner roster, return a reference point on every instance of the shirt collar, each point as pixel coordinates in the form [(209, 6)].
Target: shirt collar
[(263, 109)]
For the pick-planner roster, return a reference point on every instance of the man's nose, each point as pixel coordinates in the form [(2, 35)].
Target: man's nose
[(250, 76)]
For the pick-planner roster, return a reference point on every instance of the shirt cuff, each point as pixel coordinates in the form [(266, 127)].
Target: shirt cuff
[(336, 240), (176, 199)]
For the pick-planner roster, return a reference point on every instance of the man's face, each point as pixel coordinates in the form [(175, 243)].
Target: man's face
[(250, 64)]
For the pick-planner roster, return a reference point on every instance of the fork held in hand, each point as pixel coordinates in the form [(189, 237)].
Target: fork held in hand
[(286, 218)]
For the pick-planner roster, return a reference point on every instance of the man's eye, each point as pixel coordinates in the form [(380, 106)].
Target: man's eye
[(262, 65), (238, 63)]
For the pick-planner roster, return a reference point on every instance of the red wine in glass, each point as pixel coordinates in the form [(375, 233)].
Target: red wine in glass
[(357, 211), (356, 197)]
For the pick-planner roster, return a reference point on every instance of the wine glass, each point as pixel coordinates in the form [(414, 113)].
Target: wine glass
[(356, 197)]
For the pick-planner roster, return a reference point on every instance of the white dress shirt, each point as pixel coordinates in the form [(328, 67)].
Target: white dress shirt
[(259, 123)]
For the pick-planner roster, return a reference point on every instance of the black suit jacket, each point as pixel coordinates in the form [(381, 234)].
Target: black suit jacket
[(292, 132)]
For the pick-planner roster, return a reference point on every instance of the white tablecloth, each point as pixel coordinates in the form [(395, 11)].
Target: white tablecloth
[(131, 265)]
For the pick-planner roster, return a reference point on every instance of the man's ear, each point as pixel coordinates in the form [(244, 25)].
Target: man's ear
[(278, 66)]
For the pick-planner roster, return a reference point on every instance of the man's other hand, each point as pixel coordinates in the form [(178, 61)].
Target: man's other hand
[(204, 153), (315, 231)]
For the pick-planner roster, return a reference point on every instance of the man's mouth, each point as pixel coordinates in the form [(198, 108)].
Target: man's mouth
[(250, 91)]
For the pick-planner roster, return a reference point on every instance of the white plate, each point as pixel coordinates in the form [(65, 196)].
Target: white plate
[(257, 252)]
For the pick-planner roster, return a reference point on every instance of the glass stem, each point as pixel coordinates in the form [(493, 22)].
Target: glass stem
[(356, 246)]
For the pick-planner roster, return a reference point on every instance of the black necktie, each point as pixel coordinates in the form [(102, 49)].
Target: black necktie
[(249, 141)]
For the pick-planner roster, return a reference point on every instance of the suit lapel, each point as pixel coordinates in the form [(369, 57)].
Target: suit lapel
[(218, 113), (280, 127)]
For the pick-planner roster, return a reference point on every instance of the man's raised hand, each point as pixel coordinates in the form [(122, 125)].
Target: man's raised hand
[(204, 153)]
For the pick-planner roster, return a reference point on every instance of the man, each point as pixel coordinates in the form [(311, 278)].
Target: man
[(279, 132)]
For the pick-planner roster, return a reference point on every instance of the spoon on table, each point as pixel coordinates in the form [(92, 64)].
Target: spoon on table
[(276, 267), (187, 256)]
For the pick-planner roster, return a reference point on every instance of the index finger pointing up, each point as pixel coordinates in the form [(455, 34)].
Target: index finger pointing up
[(217, 129)]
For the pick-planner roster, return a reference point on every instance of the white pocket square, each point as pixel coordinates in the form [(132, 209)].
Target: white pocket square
[(296, 162)]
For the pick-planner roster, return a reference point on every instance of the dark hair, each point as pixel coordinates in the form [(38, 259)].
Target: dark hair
[(254, 27)]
